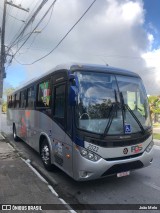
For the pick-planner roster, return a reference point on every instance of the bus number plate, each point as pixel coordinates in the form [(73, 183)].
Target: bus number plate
[(92, 147), (122, 174)]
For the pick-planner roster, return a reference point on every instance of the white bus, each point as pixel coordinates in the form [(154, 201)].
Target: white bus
[(91, 121)]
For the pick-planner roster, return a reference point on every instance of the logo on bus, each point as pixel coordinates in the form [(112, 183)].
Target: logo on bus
[(125, 151), (136, 148)]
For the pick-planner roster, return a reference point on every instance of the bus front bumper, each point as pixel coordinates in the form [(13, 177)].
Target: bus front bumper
[(85, 169)]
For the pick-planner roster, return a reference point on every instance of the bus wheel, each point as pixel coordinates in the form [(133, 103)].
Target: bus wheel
[(45, 155), (15, 137)]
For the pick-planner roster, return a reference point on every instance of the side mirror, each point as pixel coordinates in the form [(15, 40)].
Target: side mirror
[(72, 95)]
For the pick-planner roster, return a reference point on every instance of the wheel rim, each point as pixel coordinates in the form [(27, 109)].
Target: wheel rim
[(45, 154)]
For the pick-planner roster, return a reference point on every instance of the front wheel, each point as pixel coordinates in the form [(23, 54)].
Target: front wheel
[(46, 155)]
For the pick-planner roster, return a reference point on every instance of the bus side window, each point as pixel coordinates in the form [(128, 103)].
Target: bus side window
[(30, 97), (9, 101), (44, 94), (23, 99), (59, 104), (17, 100), (14, 103)]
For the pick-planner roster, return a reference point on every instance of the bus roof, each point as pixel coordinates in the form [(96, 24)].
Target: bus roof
[(81, 66)]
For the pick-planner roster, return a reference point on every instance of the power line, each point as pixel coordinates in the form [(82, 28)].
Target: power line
[(62, 38), (29, 21), (22, 26), (13, 16), (35, 27), (29, 34), (37, 33)]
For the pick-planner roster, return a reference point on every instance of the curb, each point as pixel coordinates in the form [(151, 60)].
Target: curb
[(42, 171), (51, 181)]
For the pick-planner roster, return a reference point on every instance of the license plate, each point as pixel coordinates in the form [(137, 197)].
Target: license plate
[(122, 174)]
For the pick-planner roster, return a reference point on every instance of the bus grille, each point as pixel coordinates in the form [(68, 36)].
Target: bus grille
[(124, 157), (109, 142), (123, 167)]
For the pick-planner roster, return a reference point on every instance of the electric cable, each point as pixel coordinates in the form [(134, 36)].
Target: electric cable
[(29, 21), (36, 26), (37, 33), (61, 39)]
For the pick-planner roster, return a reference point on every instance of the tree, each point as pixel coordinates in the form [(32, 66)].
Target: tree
[(154, 102), (6, 92)]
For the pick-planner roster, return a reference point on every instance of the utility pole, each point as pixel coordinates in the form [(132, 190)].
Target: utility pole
[(3, 52), (30, 20), (2, 61)]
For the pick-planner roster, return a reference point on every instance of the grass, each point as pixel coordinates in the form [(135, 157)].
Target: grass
[(156, 136), (156, 125)]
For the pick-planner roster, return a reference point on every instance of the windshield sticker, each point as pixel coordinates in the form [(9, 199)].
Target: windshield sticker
[(127, 128)]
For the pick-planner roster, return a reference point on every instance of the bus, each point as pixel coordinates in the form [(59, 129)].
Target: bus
[(91, 121)]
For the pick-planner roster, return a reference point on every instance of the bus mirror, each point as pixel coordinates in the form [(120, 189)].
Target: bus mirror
[(72, 95)]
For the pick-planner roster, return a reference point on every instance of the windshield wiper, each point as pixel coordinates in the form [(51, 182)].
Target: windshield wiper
[(135, 117), (125, 106), (111, 115)]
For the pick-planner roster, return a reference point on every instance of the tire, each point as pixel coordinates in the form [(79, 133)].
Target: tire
[(46, 155), (15, 137)]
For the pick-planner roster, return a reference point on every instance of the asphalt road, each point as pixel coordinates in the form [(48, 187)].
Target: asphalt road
[(141, 187)]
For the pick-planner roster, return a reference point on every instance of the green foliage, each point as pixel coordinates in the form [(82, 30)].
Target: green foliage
[(4, 107), (156, 124), (8, 91), (154, 102)]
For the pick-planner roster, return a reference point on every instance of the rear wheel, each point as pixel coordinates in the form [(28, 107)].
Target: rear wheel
[(45, 155), (15, 137)]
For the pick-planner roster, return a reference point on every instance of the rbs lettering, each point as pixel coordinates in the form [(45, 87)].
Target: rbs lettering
[(136, 148)]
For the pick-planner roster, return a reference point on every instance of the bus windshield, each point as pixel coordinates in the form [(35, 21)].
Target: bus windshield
[(100, 108)]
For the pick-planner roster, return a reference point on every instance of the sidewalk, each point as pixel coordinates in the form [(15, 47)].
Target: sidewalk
[(19, 184)]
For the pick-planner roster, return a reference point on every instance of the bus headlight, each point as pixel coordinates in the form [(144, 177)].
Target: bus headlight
[(84, 152), (88, 154), (149, 147)]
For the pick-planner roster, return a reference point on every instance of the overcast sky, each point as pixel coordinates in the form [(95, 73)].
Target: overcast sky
[(121, 33)]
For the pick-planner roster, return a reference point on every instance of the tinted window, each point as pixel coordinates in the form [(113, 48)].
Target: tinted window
[(12, 101), (30, 97), (9, 101), (23, 99), (59, 112), (44, 94), (16, 100)]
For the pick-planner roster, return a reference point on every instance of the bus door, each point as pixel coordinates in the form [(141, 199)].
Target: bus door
[(62, 142)]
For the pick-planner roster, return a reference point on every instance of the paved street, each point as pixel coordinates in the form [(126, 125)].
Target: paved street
[(141, 187)]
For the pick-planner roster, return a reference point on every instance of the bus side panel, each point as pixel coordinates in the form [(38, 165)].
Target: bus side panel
[(31, 124)]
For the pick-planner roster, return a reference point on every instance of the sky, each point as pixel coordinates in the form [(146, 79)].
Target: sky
[(121, 33)]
